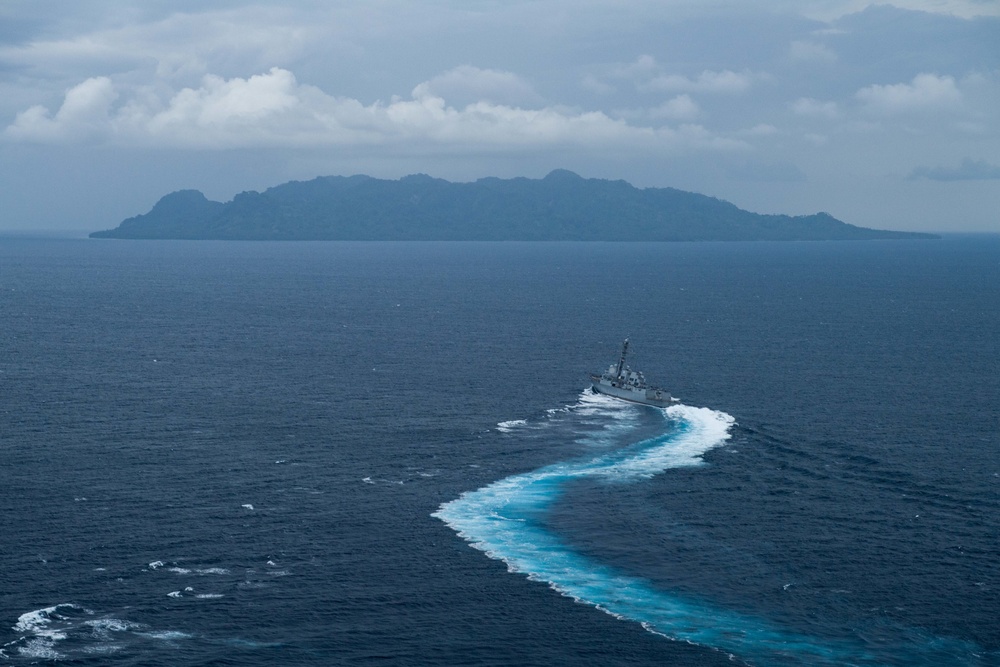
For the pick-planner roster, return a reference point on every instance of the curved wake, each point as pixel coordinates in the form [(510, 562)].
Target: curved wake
[(501, 519)]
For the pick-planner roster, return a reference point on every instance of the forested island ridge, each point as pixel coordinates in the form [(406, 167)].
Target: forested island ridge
[(559, 207)]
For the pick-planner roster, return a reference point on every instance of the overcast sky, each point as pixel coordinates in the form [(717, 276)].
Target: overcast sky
[(883, 115)]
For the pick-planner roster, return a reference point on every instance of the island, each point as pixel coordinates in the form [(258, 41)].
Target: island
[(560, 207)]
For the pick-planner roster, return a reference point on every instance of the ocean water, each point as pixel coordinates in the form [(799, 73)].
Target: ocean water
[(350, 453)]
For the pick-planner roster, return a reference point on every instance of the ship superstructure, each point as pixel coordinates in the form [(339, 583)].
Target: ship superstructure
[(622, 382)]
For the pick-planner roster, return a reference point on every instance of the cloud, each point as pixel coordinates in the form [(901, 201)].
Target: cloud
[(648, 76), (224, 105), (811, 52), (833, 9), (177, 43), (466, 84), (969, 170), (643, 67), (963, 8), (761, 130), (595, 85), (681, 107), (806, 106), (275, 110), (84, 114), (726, 81), (925, 92)]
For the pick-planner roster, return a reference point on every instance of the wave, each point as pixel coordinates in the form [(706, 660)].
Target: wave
[(502, 520), (44, 631), (508, 426)]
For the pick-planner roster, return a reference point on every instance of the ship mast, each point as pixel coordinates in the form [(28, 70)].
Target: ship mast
[(621, 361)]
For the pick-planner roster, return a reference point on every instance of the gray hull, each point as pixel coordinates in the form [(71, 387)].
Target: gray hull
[(647, 397)]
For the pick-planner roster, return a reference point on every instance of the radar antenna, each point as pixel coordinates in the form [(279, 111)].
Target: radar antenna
[(621, 361)]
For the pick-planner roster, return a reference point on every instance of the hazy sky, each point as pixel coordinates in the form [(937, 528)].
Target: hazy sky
[(882, 115)]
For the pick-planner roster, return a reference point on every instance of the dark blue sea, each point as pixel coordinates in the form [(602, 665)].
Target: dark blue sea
[(388, 453)]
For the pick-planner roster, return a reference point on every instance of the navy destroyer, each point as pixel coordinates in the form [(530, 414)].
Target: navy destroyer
[(622, 382)]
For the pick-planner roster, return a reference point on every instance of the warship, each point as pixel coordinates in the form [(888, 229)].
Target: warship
[(622, 382)]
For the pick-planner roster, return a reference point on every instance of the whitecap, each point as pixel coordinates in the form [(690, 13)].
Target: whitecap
[(397, 482), (508, 426), (103, 627), (166, 635), (48, 623), (44, 631), (111, 624)]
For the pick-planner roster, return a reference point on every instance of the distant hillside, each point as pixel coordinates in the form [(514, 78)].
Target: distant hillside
[(560, 207)]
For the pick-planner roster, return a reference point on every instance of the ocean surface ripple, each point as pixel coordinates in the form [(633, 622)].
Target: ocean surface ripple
[(259, 454)]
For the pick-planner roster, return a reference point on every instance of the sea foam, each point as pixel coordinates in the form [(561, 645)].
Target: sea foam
[(50, 623), (60, 631)]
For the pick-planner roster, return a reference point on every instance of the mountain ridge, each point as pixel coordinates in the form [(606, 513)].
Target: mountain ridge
[(562, 206)]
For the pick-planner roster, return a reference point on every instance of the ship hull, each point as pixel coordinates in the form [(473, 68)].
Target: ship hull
[(640, 397)]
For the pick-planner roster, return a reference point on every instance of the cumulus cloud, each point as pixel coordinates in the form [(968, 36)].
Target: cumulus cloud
[(969, 170), (642, 67), (649, 76), (925, 92), (726, 82), (681, 107), (467, 84), (806, 106), (84, 114), (218, 106), (275, 110)]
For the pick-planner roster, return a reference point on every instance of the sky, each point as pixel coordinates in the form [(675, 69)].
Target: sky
[(883, 115)]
